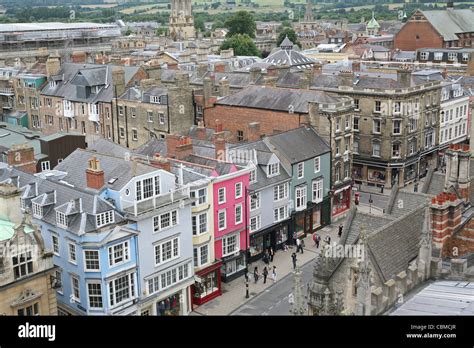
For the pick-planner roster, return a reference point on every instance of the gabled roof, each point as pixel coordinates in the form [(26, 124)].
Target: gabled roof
[(91, 77), (117, 171), (451, 22), (279, 99), (298, 144), (52, 188)]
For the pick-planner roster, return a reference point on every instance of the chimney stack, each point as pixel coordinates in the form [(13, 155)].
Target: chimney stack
[(94, 174), (254, 131), (172, 66), (207, 90), (22, 157), (224, 88), (404, 77), (255, 72), (118, 80), (53, 64), (9, 203), (219, 146), (347, 78), (182, 79), (202, 69), (219, 67), (184, 148), (201, 131), (272, 71), (161, 163), (153, 72)]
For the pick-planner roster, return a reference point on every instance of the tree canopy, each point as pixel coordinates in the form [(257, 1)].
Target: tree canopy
[(241, 23), (291, 35), (242, 44)]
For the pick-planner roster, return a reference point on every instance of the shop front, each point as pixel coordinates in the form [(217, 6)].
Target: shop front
[(271, 237), (309, 220), (207, 284), (170, 306), (411, 171), (376, 176), (357, 173), (341, 200), (233, 266)]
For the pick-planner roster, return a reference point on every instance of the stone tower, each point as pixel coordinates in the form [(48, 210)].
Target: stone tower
[(181, 25), (308, 16)]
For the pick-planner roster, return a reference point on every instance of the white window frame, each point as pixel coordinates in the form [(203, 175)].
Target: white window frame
[(238, 190), (89, 295), (223, 190), (237, 208), (399, 127), (317, 164), (255, 223), (45, 165), (170, 216), (225, 245), (374, 128), (197, 255), (374, 144), (255, 203), (86, 269), (201, 199), (317, 190), (196, 224), (159, 250), (125, 253), (72, 255), (219, 219), (55, 245), (280, 214), (105, 218), (273, 169), (73, 288), (301, 195), (280, 192), (300, 168), (132, 289)]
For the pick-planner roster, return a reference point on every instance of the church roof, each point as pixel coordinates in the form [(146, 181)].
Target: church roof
[(373, 24), (288, 55)]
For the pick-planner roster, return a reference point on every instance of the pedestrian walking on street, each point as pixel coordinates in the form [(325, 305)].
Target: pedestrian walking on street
[(266, 258), (340, 231), (295, 238), (301, 245), (298, 244), (274, 274), (255, 274), (272, 253), (318, 239), (327, 240), (293, 257), (265, 274)]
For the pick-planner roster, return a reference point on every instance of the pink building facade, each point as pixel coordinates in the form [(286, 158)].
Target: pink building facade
[(231, 215)]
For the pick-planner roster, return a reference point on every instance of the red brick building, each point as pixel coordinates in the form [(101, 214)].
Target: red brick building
[(437, 29)]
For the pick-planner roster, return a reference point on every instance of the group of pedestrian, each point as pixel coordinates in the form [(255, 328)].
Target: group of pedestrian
[(256, 274), (268, 256)]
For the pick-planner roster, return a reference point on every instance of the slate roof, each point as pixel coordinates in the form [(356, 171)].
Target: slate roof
[(279, 99), (55, 194), (406, 201), (356, 220), (289, 56), (72, 74), (263, 155), (298, 144), (152, 147), (451, 22), (106, 146), (395, 245), (116, 170)]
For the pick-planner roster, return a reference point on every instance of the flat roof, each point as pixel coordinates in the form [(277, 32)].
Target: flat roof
[(19, 27), (440, 298)]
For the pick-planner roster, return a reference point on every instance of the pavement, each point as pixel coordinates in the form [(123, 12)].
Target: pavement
[(233, 292)]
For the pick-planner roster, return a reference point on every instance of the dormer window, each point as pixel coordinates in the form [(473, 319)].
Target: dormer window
[(273, 169), (106, 218), (61, 219), (37, 210), (155, 99), (253, 176), (52, 84), (22, 203)]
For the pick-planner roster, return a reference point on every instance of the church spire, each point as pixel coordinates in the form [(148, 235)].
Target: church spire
[(308, 16)]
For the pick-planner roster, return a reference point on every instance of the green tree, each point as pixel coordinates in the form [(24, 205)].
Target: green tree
[(215, 5), (291, 35), (199, 24), (242, 44), (217, 24), (241, 23)]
